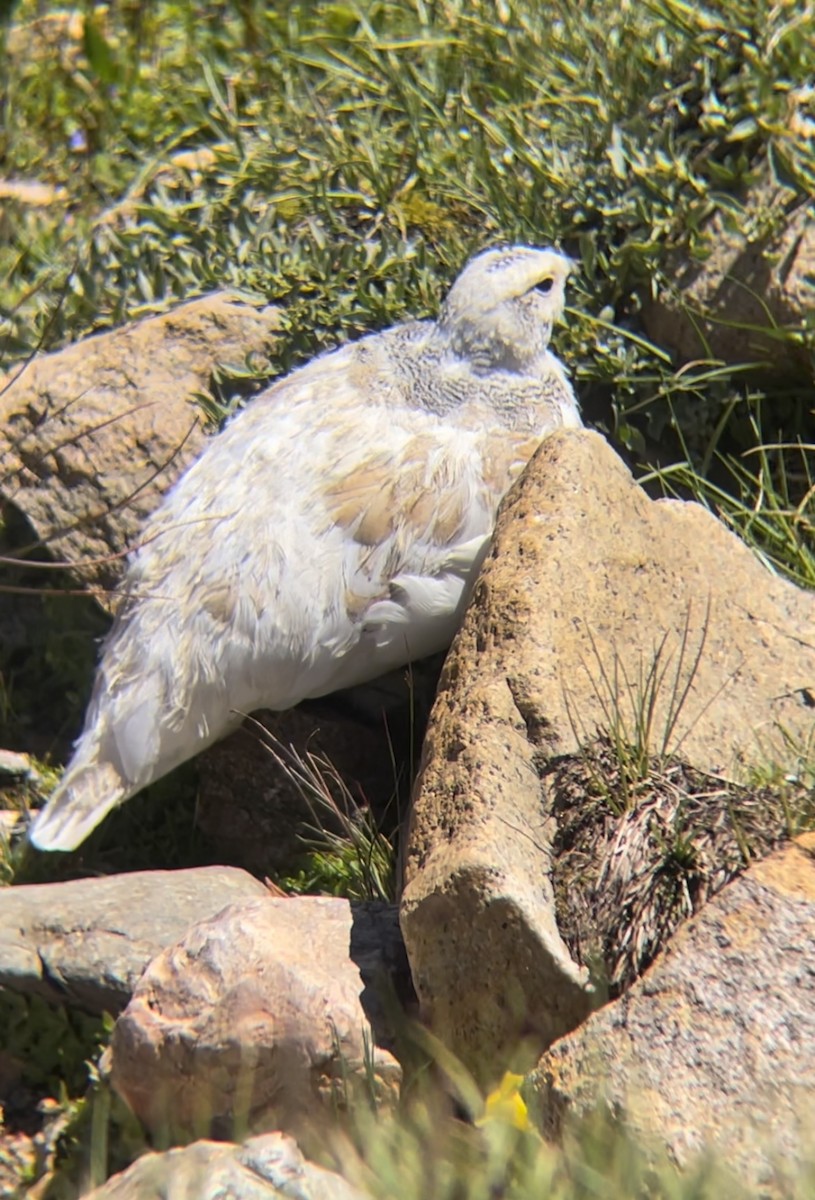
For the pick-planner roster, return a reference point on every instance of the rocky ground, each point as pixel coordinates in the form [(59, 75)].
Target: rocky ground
[(585, 899), (583, 829)]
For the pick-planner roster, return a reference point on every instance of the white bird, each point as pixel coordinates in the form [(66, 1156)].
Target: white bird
[(330, 533)]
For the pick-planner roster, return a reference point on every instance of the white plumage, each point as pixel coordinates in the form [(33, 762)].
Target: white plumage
[(330, 533)]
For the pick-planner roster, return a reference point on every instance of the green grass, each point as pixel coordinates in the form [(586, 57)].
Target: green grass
[(347, 851), (342, 160), (765, 495), (358, 153)]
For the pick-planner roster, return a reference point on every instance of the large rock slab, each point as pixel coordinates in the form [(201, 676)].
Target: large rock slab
[(87, 941), (256, 1020), (714, 1047), (93, 435), (263, 1168), (591, 589)]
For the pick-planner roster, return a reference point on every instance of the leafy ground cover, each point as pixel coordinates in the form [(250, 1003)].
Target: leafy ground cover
[(342, 160)]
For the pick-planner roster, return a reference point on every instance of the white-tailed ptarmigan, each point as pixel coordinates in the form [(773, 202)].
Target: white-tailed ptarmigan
[(330, 533)]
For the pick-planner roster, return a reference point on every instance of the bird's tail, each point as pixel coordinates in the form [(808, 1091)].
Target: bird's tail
[(85, 795)]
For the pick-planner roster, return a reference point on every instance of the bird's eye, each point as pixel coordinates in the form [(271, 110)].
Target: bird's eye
[(545, 286)]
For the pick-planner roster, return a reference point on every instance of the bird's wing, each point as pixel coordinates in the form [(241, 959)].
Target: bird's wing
[(344, 528), (415, 515)]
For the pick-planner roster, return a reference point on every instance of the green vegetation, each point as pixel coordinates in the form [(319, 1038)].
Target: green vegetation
[(342, 160), (348, 853), (49, 1044)]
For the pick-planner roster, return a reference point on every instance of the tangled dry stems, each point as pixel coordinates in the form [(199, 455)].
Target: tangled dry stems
[(628, 874)]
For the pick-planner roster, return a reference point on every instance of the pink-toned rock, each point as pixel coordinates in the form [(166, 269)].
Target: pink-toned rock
[(714, 1047), (255, 1020), (91, 436)]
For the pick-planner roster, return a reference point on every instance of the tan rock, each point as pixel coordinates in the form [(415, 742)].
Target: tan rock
[(753, 272), (714, 1047), (253, 1021), (263, 1168), (10, 820), (32, 193), (91, 436), (589, 587), (14, 766)]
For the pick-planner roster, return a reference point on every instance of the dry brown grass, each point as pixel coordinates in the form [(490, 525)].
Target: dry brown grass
[(631, 865)]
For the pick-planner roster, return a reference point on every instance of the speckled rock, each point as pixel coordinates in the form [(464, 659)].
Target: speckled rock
[(91, 436), (263, 1168), (86, 941), (256, 1020), (714, 1047), (589, 584)]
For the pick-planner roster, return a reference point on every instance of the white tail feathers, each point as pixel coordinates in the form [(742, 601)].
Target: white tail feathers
[(83, 798)]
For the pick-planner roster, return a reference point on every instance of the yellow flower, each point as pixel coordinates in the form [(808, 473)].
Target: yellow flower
[(506, 1104)]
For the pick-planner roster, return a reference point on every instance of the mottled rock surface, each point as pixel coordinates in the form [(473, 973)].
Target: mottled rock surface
[(590, 587), (91, 436), (263, 1168), (86, 942), (255, 1020), (714, 1047), (754, 271)]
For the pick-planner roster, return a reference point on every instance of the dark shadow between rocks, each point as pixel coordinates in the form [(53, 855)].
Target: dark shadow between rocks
[(388, 998)]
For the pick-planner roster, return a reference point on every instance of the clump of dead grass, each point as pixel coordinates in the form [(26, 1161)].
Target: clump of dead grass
[(628, 873)]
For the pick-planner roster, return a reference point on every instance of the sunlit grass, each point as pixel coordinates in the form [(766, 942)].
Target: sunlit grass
[(766, 495)]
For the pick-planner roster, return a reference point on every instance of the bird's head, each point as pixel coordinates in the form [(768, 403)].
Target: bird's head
[(500, 311)]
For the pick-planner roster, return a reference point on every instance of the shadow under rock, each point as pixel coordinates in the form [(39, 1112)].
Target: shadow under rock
[(49, 636), (388, 997)]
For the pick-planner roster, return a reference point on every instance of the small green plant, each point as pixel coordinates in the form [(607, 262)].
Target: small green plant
[(629, 868), (347, 853)]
